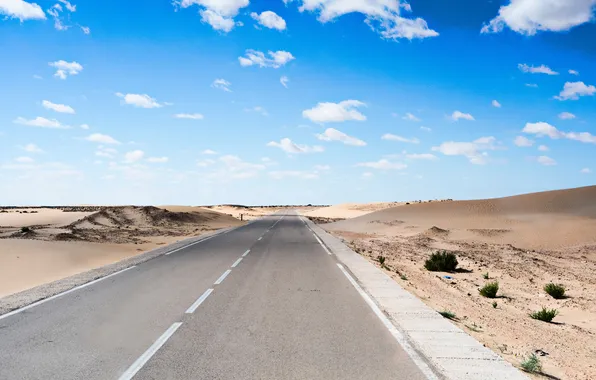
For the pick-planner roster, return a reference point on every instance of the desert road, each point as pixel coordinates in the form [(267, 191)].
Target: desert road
[(263, 301)]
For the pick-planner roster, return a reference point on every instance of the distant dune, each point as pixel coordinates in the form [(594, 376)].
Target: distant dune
[(349, 210)]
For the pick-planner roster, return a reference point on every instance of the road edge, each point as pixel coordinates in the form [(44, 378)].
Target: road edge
[(450, 351)]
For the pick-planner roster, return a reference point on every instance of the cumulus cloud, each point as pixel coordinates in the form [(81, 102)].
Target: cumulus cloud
[(270, 20), (257, 109), (542, 129), (221, 84), (84, 126), (209, 151), (496, 104), (62, 108), (566, 116), (236, 168), (292, 148), (32, 148), (546, 161), (24, 160), (332, 134), (217, 13), (426, 129), (522, 141), (133, 156), (103, 139), (275, 60), (573, 90), (586, 171), (284, 81), (410, 117), (41, 122), (383, 164), (573, 72), (385, 17), (475, 151), (391, 137), (192, 116), (105, 152), (542, 69), (531, 16), (335, 112), (457, 115), (421, 156), (65, 69), (21, 10), (139, 100), (205, 163), (543, 148), (158, 160), (293, 174)]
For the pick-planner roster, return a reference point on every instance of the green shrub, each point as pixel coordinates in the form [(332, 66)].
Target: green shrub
[(532, 364), (490, 290), (447, 314), (403, 277), (555, 291), (381, 260), (485, 276), (495, 304), (441, 262), (545, 314)]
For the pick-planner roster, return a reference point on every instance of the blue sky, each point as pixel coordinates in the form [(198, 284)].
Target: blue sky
[(159, 103)]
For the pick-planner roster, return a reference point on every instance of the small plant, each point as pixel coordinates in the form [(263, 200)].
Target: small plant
[(532, 364), (490, 290), (485, 276), (26, 230), (495, 304), (403, 277), (441, 262), (555, 291), (381, 260), (449, 315), (545, 314)]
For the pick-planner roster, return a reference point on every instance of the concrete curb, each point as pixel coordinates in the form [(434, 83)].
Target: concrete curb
[(450, 351)]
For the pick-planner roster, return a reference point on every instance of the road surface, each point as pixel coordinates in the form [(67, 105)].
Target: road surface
[(264, 301)]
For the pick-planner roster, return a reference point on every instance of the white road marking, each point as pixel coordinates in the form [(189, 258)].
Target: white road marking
[(322, 245), (236, 263), (260, 238), (196, 242), (392, 329), (222, 277), (198, 302), (143, 359), (246, 253), (63, 293), (277, 221)]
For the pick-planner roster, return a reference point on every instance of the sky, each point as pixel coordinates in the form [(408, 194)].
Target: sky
[(294, 101)]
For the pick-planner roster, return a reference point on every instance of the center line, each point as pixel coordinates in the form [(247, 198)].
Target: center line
[(143, 359), (222, 277), (237, 262), (260, 238), (246, 253), (198, 302)]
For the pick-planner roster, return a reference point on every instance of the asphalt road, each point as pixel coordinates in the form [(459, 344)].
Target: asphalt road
[(284, 311)]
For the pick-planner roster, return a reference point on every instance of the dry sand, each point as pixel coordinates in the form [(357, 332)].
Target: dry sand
[(523, 242), (61, 244)]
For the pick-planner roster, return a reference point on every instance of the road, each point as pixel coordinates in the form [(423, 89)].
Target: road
[(264, 301)]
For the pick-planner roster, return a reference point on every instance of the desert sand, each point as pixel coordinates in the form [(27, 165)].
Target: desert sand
[(57, 243), (523, 242)]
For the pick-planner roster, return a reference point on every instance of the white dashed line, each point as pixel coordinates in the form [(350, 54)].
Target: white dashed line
[(260, 238), (236, 263), (246, 253), (143, 359), (394, 331), (63, 293), (322, 245), (198, 302), (222, 277)]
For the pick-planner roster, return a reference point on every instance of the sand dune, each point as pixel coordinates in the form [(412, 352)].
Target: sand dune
[(350, 210), (38, 216)]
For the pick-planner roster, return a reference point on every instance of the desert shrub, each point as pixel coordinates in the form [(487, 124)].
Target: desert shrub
[(381, 260), (495, 304), (545, 314), (447, 314), (25, 230), (403, 277), (490, 290), (557, 291), (485, 276), (532, 364), (441, 262)]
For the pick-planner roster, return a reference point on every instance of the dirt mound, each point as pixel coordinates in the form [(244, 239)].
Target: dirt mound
[(436, 231)]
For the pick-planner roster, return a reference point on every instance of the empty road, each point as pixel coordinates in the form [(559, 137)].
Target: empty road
[(264, 301)]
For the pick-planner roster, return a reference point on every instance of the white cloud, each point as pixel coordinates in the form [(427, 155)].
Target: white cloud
[(522, 141), (69, 6), (546, 161), (284, 81), (391, 137), (335, 112), (103, 139), (236, 168), (293, 174), (290, 147), (383, 164), (205, 163), (62, 108), (41, 122), (84, 126), (21, 10), (410, 117), (257, 109), (496, 104), (133, 156), (192, 116), (573, 72), (460, 115), (24, 160), (277, 58), (139, 100), (532, 85), (86, 29), (269, 20), (382, 16), (322, 168), (566, 116), (543, 148), (367, 175), (37, 77), (64, 69), (102, 151), (332, 134), (474, 151), (541, 129), (586, 171), (542, 69), (426, 129), (217, 13), (158, 160), (573, 90), (209, 152), (221, 84), (32, 148), (531, 16), (421, 156)]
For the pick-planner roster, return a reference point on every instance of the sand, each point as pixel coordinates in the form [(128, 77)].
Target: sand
[(38, 216), (522, 242)]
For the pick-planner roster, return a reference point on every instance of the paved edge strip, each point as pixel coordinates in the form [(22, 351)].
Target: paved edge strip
[(447, 349), (199, 301), (143, 359)]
